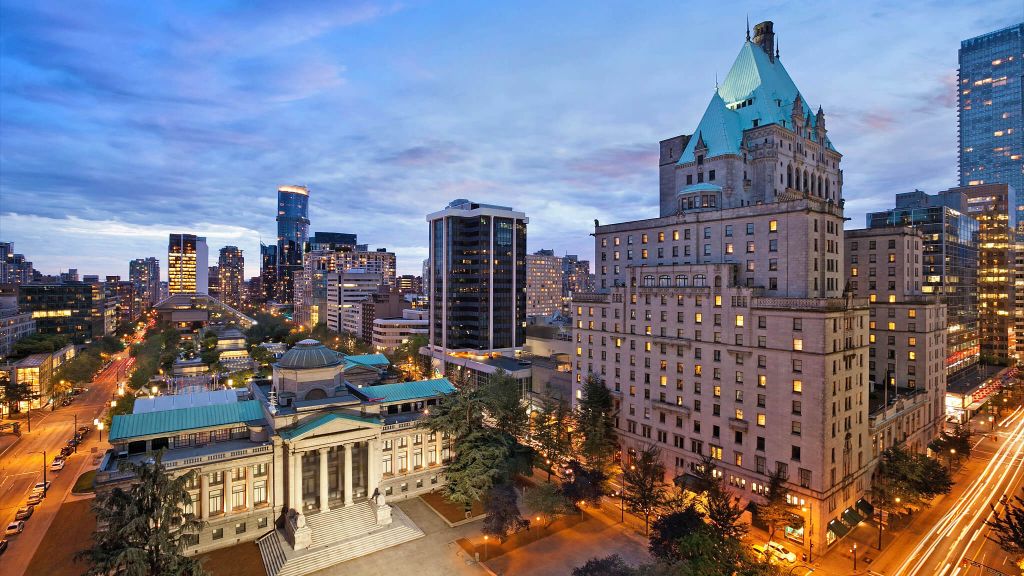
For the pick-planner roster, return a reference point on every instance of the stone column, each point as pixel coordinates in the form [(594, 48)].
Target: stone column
[(348, 474), (295, 489), (324, 506), (229, 503), (204, 495), (372, 466), (250, 488)]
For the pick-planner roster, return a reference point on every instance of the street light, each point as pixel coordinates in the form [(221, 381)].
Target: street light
[(810, 532), (44, 469), (854, 552), (99, 427), (992, 423), (952, 453), (486, 555)]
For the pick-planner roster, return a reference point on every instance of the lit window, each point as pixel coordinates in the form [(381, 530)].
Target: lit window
[(798, 386), (773, 225), (739, 320), (760, 419), (911, 355), (798, 344), (739, 414), (912, 313), (892, 325), (892, 298)]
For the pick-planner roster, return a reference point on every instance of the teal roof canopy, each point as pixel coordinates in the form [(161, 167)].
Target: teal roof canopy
[(701, 187), (369, 360), (406, 391), (756, 88), (129, 426)]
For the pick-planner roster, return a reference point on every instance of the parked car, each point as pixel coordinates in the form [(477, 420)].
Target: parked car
[(35, 499), (780, 553), (72, 442), (57, 464), (40, 486), (24, 513), (15, 528), (84, 431), (3, 546), (66, 451)]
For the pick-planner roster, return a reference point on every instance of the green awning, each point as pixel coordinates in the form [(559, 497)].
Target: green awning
[(865, 508), (851, 517), (838, 528)]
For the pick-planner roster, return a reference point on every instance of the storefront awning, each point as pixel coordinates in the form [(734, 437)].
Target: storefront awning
[(838, 528), (865, 508), (851, 517)]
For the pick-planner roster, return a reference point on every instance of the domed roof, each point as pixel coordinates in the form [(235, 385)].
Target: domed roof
[(309, 354)]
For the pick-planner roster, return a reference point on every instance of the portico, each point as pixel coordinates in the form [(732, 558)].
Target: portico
[(324, 478)]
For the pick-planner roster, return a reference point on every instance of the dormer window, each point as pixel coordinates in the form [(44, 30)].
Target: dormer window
[(700, 160)]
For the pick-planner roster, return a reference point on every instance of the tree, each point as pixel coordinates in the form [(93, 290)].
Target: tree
[(15, 393), (612, 565), (663, 541), (1008, 525), (958, 439), (584, 485), (38, 343), (547, 500), (479, 462), (503, 516), (776, 512), (141, 530), (503, 401), (551, 432), (595, 421), (724, 513), (644, 484)]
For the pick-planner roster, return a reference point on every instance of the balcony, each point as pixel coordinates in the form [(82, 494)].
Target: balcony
[(808, 304), (737, 424), (684, 410)]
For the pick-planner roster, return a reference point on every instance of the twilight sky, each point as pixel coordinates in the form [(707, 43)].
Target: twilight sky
[(123, 122)]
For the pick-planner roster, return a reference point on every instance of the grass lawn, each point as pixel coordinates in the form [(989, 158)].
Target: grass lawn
[(70, 532), (239, 560), (451, 512), (85, 482)]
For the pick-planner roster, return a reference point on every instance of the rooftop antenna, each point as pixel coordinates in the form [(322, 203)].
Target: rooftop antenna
[(748, 27)]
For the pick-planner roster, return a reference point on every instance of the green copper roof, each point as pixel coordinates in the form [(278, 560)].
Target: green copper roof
[(314, 423), (405, 391), (170, 421), (754, 77), (371, 360), (702, 187)]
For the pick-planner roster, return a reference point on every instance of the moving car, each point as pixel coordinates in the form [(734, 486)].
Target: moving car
[(15, 528), (24, 513), (57, 464)]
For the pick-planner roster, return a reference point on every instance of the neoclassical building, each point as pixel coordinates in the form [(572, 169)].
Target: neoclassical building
[(306, 464)]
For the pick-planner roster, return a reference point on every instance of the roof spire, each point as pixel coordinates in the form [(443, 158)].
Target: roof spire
[(716, 82), (748, 28), (776, 49)]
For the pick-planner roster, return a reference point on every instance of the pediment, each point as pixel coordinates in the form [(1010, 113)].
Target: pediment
[(328, 424)]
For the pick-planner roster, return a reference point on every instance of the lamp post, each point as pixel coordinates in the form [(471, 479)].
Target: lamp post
[(99, 426), (952, 453), (44, 469), (810, 532), (854, 552), (486, 555), (991, 423)]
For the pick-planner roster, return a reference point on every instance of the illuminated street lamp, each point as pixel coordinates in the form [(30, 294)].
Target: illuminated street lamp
[(854, 552), (99, 426), (113, 403), (992, 423), (952, 453)]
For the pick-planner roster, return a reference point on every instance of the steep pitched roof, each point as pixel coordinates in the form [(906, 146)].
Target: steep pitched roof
[(181, 419), (771, 92)]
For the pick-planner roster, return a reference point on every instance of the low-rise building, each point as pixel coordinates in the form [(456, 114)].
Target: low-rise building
[(14, 326), (311, 457), (390, 333)]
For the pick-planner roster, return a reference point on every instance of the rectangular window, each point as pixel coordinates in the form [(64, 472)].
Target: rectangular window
[(259, 492), (216, 501)]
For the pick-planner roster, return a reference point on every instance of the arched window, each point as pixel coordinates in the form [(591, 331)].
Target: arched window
[(649, 280), (718, 281), (316, 394), (789, 176), (807, 187), (826, 187), (665, 280), (698, 280), (681, 280), (821, 185)]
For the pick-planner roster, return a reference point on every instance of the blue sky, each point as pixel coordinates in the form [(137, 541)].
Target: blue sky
[(122, 122)]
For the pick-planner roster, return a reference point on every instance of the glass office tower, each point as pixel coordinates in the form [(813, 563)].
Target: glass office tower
[(990, 110), (292, 232)]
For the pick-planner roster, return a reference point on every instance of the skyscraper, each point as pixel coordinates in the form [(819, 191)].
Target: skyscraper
[(182, 264), (721, 327), (477, 279), (268, 272), (231, 265), (145, 274), (202, 266), (292, 232), (990, 110), (543, 283)]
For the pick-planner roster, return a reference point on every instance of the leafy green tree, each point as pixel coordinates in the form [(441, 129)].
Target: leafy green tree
[(551, 432), (142, 530), (14, 393), (776, 512), (547, 499), (82, 368), (958, 439), (503, 516), (595, 421), (1008, 525), (724, 514), (38, 343), (586, 485), (504, 404), (667, 529), (612, 565), (479, 462), (644, 484)]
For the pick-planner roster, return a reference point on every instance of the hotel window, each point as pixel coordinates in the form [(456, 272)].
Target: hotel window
[(216, 501), (402, 462), (240, 528), (190, 506), (739, 320), (773, 245), (760, 419), (892, 325), (237, 496), (739, 414), (911, 355), (728, 248), (403, 441), (216, 477), (750, 247), (762, 381), (797, 407), (259, 492), (238, 473), (798, 344), (795, 430), (798, 386), (912, 313), (773, 226), (911, 341), (432, 456)]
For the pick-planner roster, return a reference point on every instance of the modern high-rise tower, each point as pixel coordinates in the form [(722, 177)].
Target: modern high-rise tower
[(182, 264), (477, 279), (990, 110), (292, 233), (145, 274), (231, 265)]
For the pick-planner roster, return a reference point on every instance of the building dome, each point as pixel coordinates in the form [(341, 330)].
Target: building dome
[(309, 354)]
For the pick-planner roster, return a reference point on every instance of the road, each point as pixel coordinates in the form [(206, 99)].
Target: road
[(21, 464), (960, 534)]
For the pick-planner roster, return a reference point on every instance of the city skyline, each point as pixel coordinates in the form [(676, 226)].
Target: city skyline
[(378, 125)]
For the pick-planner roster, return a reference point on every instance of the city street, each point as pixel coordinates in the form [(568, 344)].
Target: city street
[(955, 533), (21, 464)]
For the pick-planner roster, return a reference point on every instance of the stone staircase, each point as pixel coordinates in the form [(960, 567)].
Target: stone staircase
[(337, 536)]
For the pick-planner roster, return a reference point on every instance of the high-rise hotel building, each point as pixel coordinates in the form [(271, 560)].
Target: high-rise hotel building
[(543, 283), (722, 327)]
